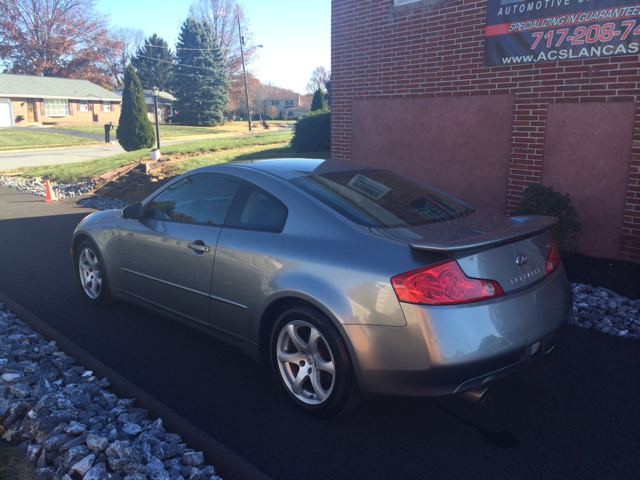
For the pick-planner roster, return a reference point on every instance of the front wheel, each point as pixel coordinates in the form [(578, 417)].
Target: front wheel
[(311, 362), (90, 268)]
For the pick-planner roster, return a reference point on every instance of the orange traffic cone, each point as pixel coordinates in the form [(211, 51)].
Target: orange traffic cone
[(51, 197)]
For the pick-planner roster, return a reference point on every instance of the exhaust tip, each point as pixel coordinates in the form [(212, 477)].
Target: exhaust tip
[(476, 395)]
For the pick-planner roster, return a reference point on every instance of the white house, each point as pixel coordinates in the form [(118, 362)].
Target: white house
[(289, 105)]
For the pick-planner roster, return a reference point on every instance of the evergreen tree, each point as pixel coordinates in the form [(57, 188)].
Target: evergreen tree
[(200, 83), (327, 96), (134, 130), (154, 64), (318, 101)]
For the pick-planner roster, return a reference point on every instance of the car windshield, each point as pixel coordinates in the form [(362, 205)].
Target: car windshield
[(381, 198)]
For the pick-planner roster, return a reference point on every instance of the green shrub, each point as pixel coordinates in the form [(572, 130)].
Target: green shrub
[(540, 200), (134, 128), (318, 103), (313, 132)]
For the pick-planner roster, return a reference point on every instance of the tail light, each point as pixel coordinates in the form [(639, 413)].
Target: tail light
[(443, 284), (553, 260)]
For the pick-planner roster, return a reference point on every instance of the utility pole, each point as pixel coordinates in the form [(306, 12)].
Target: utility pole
[(244, 73)]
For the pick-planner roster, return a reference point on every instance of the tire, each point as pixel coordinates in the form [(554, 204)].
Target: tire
[(310, 361), (90, 272)]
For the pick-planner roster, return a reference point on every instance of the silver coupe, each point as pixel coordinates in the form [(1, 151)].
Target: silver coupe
[(350, 280)]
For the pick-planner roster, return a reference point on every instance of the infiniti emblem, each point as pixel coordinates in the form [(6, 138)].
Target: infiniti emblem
[(521, 260)]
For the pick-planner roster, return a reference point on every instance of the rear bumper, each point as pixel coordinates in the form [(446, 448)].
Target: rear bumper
[(451, 349)]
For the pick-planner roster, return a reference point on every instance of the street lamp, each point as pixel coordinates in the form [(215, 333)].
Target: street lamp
[(244, 72), (156, 92)]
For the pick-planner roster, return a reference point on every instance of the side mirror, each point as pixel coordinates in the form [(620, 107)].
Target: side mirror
[(132, 211)]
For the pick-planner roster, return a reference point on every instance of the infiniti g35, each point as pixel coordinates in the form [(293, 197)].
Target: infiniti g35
[(350, 280)]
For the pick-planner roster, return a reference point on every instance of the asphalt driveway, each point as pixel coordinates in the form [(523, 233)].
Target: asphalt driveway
[(575, 415)]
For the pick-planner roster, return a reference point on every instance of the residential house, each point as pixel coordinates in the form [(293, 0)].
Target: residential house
[(289, 105), (35, 100), (165, 104), (480, 98)]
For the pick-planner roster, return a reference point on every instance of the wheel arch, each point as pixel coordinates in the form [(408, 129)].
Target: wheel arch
[(290, 300), (271, 314), (75, 244)]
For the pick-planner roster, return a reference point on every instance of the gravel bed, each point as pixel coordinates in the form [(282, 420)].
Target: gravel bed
[(101, 203), (34, 187), (64, 190), (605, 311), (71, 427)]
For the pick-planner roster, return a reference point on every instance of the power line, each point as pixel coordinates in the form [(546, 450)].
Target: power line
[(179, 64), (181, 74), (180, 48)]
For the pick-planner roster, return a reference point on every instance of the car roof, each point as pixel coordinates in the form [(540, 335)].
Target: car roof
[(288, 168)]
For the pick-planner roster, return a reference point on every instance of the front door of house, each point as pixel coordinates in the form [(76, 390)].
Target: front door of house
[(31, 106)]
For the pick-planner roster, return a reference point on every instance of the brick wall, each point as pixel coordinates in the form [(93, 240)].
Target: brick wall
[(92, 116), (433, 48)]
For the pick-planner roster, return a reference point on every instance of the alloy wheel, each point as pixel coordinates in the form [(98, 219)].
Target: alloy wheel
[(305, 362), (90, 273)]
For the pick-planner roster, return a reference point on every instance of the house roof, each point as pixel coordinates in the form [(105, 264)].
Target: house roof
[(301, 107), (31, 86), (282, 96), (163, 97)]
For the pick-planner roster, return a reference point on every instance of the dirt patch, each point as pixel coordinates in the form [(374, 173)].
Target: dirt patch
[(136, 183), (138, 180)]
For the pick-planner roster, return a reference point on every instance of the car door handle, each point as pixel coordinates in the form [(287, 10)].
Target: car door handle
[(198, 247)]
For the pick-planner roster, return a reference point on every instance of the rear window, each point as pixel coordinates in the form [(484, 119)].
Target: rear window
[(381, 198)]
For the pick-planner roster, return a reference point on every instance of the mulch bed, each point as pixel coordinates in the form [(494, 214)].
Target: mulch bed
[(621, 277)]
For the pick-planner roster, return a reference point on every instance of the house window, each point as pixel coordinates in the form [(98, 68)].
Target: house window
[(289, 102), (83, 106), (275, 102), (54, 107), (106, 106)]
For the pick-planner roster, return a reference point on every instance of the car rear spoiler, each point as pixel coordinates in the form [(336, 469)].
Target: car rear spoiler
[(518, 227)]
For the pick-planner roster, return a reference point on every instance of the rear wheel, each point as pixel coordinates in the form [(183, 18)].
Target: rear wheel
[(91, 275), (312, 364)]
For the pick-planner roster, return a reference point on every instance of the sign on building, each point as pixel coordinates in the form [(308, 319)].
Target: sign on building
[(531, 31)]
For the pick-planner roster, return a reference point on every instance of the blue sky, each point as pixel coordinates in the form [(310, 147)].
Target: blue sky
[(296, 34)]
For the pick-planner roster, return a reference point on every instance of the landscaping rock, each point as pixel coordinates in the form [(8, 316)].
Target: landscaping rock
[(74, 427)]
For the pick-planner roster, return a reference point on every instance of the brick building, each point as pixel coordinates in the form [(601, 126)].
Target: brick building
[(35, 100), (416, 88)]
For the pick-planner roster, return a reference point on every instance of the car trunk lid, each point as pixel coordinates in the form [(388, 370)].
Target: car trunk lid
[(511, 251)]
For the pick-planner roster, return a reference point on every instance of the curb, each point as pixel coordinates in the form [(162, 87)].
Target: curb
[(229, 464)]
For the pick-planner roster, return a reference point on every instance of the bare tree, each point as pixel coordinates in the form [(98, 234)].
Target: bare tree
[(223, 15), (60, 38), (131, 39), (319, 77), (272, 112)]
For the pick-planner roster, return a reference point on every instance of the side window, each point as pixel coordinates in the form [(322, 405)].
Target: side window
[(202, 198), (255, 209)]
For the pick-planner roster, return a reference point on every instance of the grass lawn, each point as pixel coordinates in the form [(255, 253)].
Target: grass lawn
[(83, 171), (13, 464), (166, 131), (254, 153), (174, 131), (13, 139)]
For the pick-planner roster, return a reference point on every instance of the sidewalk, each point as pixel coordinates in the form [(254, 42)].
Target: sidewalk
[(54, 156)]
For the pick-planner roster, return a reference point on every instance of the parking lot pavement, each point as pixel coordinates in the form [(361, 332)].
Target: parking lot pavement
[(574, 415)]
